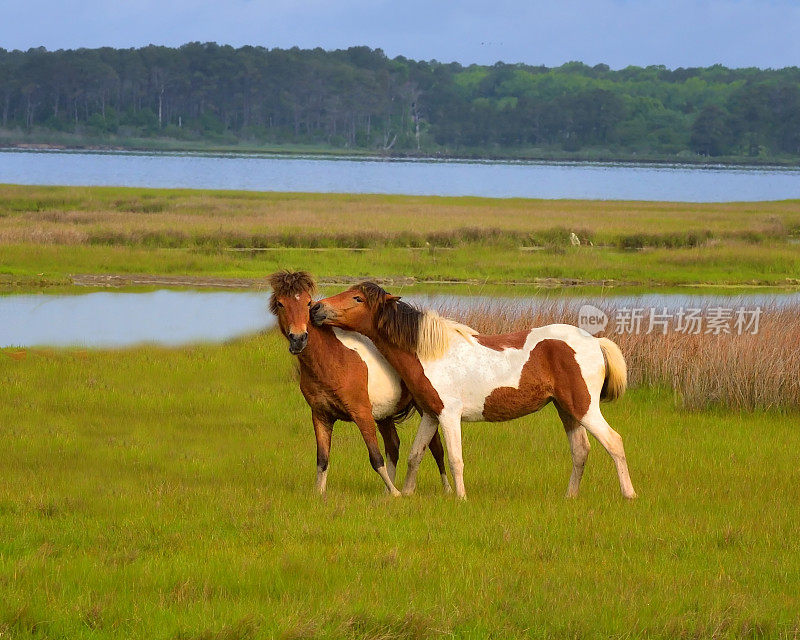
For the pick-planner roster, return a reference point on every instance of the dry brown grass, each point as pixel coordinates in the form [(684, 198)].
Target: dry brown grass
[(748, 371), (180, 217)]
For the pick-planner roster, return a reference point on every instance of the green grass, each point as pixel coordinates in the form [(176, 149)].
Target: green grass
[(49, 233), (733, 264), (160, 493)]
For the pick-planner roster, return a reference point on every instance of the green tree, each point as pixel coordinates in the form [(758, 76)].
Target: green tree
[(710, 132)]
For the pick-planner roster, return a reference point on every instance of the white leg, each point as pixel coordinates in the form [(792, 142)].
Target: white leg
[(427, 427), (450, 421), (579, 445), (391, 470), (322, 479), (387, 481), (596, 424)]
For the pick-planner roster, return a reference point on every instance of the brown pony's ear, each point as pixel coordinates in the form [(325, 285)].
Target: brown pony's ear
[(391, 298)]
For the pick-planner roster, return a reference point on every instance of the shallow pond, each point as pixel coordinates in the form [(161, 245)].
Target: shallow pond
[(167, 317)]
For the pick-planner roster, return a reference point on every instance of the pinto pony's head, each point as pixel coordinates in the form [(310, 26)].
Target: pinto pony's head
[(370, 310), (290, 301)]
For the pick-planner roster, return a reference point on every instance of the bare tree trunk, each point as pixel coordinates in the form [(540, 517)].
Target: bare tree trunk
[(160, 101)]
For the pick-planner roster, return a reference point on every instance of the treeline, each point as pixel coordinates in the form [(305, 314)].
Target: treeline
[(359, 98)]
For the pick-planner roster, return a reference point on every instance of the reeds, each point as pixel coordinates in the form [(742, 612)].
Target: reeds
[(188, 218), (738, 370)]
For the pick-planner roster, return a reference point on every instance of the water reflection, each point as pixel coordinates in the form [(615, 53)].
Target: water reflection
[(124, 319), (113, 319), (414, 177)]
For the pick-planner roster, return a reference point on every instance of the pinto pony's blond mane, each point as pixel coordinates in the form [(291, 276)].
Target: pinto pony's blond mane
[(289, 284), (425, 333), (436, 334)]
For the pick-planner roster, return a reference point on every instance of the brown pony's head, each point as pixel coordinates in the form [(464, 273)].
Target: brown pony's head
[(371, 311), (291, 299)]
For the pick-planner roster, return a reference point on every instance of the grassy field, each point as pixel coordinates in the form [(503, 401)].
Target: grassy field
[(168, 494), (49, 233)]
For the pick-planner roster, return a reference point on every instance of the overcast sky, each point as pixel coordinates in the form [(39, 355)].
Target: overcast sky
[(737, 33)]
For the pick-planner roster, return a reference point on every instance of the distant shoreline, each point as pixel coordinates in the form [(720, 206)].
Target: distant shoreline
[(169, 145)]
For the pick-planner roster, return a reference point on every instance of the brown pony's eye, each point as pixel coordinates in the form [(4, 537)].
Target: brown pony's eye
[(309, 303), (358, 299), (280, 305)]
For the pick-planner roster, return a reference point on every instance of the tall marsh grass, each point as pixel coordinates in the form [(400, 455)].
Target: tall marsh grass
[(187, 218), (750, 371)]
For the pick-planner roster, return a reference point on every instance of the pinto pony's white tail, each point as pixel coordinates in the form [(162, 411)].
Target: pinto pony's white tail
[(616, 371)]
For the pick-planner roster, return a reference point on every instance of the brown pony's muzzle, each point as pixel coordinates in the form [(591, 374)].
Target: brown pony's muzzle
[(297, 342)]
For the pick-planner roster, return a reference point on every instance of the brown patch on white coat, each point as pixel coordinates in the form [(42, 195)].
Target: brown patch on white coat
[(341, 379), (492, 378)]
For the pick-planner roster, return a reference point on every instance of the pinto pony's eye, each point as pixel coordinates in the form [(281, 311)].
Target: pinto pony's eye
[(358, 299), (309, 303)]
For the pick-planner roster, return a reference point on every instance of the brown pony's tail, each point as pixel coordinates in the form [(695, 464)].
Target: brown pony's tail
[(616, 371)]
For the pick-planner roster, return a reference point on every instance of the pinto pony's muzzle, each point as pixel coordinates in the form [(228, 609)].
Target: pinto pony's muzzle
[(320, 314), (297, 342)]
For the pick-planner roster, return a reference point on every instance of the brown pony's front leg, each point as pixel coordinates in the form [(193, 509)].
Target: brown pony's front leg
[(391, 445), (366, 424), (323, 430)]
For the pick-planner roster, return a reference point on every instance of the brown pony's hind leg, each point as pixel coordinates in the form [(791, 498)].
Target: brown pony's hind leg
[(437, 451), (366, 424), (579, 446), (323, 430), (391, 445)]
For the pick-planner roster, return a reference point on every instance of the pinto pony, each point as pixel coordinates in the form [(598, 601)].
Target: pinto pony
[(455, 374), (344, 377)]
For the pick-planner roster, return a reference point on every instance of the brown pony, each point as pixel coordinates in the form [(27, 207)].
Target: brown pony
[(455, 374), (344, 377)]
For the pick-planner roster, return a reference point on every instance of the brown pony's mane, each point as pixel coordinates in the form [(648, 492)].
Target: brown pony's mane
[(289, 283), (422, 332)]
